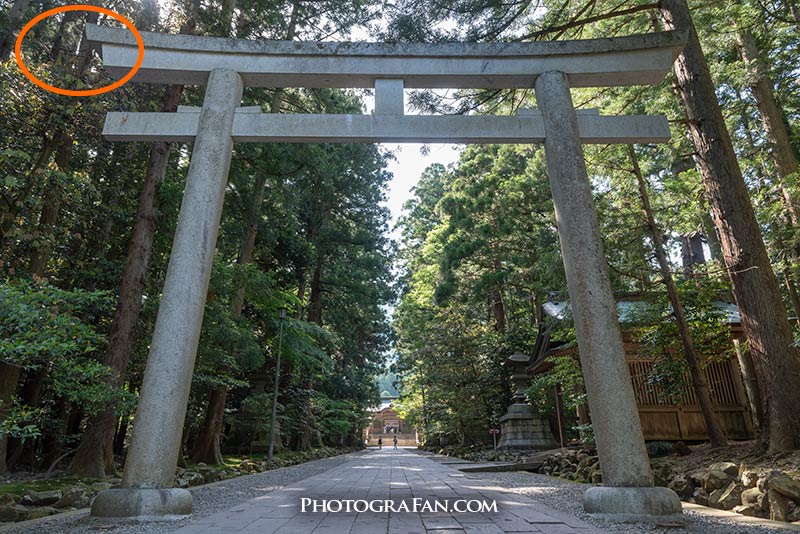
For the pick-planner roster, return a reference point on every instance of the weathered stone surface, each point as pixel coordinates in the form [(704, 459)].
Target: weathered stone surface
[(778, 506), (41, 511), (794, 513), (786, 486), (248, 466), (729, 468), (340, 128), (210, 474), (697, 476), (142, 503), (701, 496), (186, 59), (631, 502), (751, 495), (764, 479), (190, 479), (749, 478), (74, 497), (715, 480), (746, 509), (683, 486), (101, 486), (157, 429), (524, 429), (662, 475), (618, 431), (726, 498), (40, 498), (714, 497), (13, 512)]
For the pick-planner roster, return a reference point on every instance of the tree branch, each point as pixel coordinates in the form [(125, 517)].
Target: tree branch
[(589, 20)]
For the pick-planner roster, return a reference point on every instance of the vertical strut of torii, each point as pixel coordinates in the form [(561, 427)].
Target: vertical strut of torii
[(225, 66)]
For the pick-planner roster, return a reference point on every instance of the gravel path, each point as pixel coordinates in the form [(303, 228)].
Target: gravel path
[(562, 495), (207, 500), (567, 497)]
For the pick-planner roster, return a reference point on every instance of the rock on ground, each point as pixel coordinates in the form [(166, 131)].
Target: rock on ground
[(568, 497)]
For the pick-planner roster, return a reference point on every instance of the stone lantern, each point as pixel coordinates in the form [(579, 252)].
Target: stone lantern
[(522, 427)]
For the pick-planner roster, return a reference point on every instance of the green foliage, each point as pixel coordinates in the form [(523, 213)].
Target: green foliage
[(340, 418), (18, 421), (565, 374), (657, 331), (252, 419), (40, 323), (478, 252)]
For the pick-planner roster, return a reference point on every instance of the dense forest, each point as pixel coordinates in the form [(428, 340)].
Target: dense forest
[(86, 233), (86, 228), (480, 252)]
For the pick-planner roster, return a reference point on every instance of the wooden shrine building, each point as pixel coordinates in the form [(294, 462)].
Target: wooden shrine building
[(668, 419)]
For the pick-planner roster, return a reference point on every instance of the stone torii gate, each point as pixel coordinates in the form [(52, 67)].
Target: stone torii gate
[(225, 66)]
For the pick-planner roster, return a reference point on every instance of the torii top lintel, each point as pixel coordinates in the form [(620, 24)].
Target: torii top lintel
[(185, 59)]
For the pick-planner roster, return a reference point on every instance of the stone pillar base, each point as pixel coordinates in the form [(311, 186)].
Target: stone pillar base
[(143, 504), (522, 428), (631, 504)]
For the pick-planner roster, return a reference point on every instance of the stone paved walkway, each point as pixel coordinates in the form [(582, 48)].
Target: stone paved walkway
[(398, 475)]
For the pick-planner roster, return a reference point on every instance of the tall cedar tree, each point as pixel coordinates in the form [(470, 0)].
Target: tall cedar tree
[(745, 257)]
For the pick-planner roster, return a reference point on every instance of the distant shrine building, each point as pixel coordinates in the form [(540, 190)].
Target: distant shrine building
[(387, 423)]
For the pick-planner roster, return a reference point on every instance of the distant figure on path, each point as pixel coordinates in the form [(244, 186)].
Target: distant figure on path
[(380, 443), (394, 441)]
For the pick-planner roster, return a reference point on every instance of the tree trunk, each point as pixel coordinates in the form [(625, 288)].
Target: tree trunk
[(315, 304), (314, 316), (249, 240), (9, 378), (8, 36), (791, 288), (305, 434), (712, 237), (750, 382), (227, 12), (63, 153), (210, 431), (207, 448), (779, 247), (716, 434), (30, 394), (8, 217), (771, 115), (95, 452), (786, 271), (745, 257), (498, 307), (120, 435), (46, 228)]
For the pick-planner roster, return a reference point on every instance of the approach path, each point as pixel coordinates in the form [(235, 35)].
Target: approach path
[(397, 475)]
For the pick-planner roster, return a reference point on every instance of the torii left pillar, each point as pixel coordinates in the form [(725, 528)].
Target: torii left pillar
[(153, 452)]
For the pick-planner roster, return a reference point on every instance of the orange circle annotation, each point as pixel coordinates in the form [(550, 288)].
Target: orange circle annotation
[(88, 92)]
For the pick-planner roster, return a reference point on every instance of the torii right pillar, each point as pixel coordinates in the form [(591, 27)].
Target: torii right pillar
[(628, 481)]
